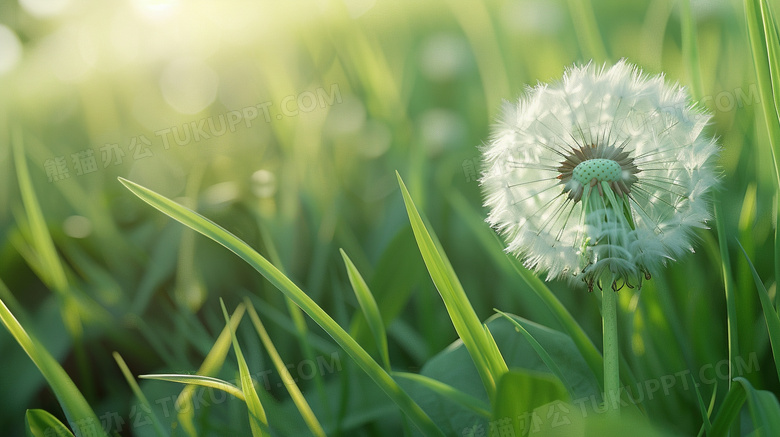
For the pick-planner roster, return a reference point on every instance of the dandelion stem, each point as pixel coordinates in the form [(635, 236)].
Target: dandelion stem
[(611, 375)]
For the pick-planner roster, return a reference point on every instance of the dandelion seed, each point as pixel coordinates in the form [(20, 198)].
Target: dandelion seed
[(604, 174)]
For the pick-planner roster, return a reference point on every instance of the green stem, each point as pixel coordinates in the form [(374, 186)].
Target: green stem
[(611, 354)]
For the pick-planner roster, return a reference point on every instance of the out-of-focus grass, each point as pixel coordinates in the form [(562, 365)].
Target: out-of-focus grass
[(354, 91)]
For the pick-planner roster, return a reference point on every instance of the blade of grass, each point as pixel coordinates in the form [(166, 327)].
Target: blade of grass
[(449, 392), (285, 285), (770, 315), (257, 420), (287, 379), (691, 48), (494, 247), (42, 241), (158, 428), (211, 364), (587, 30), (41, 423), (728, 284), (546, 358), (53, 270), (198, 380), (764, 58), (369, 307), (462, 314), (705, 417), (763, 406), (296, 314), (76, 408)]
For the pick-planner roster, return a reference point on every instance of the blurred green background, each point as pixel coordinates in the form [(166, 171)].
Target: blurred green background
[(285, 122)]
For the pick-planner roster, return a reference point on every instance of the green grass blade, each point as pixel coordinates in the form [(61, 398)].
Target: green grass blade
[(76, 408), (42, 241), (257, 420), (770, 315), (158, 428), (287, 379), (705, 417), (523, 391), (296, 315), (773, 54), (210, 366), (728, 284), (587, 29), (285, 285), (546, 358), (449, 392), (761, 62), (763, 406), (494, 247), (369, 307), (463, 317), (691, 48), (198, 380), (41, 423)]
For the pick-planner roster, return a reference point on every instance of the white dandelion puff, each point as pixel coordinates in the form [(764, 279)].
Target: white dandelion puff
[(606, 172)]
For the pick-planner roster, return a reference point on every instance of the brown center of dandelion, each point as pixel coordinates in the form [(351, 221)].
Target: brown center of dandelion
[(591, 165)]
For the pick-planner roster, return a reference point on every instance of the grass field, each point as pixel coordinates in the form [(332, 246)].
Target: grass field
[(334, 147)]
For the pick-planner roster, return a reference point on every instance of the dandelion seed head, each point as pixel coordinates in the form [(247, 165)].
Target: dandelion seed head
[(606, 172)]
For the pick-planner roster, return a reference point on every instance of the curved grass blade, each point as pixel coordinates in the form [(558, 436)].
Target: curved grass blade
[(76, 408), (763, 60), (41, 423), (211, 365), (257, 420), (158, 428), (763, 405), (203, 381), (296, 314), (287, 379), (463, 317), (770, 315), (494, 247), (285, 285), (369, 307), (546, 358), (42, 241), (449, 392)]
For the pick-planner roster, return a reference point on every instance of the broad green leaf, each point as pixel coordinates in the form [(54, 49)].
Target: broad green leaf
[(520, 393), (286, 286), (463, 317), (76, 408), (770, 315), (203, 381), (448, 392), (289, 381), (763, 406), (139, 394), (257, 420), (455, 368), (540, 351), (369, 307), (41, 423)]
